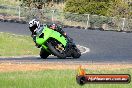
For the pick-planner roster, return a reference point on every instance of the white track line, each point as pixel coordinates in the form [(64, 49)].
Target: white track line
[(86, 49)]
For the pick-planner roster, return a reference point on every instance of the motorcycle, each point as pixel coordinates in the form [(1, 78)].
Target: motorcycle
[(52, 42)]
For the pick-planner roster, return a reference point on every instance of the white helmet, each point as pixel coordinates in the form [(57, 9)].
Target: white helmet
[(34, 25)]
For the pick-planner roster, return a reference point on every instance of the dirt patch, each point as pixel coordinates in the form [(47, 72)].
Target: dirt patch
[(7, 67)]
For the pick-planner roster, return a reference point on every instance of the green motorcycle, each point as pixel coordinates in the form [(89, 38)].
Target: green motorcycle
[(52, 42)]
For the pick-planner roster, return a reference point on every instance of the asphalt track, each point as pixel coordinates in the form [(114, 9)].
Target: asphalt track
[(105, 46)]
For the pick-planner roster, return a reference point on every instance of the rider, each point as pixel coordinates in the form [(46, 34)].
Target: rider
[(35, 28)]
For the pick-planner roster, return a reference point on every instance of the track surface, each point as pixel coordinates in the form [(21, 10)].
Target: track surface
[(105, 46)]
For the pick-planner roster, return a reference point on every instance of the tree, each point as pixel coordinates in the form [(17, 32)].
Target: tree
[(87, 6), (99, 7), (119, 8), (32, 3)]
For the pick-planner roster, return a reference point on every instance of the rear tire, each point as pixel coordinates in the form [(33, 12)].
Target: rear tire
[(44, 54), (55, 52), (76, 53)]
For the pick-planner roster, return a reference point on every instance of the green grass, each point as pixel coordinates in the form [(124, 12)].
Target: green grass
[(54, 79), (9, 12), (15, 45), (10, 2)]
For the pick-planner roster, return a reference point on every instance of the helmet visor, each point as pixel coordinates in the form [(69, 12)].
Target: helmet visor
[(33, 28)]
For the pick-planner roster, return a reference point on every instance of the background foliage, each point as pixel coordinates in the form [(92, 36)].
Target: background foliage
[(100, 7), (112, 8)]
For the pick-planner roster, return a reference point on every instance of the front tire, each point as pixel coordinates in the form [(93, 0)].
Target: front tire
[(44, 54)]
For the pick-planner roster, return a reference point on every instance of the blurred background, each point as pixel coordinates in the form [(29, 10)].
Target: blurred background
[(87, 14)]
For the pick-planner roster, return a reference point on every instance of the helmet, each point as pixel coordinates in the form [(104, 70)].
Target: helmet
[(34, 25)]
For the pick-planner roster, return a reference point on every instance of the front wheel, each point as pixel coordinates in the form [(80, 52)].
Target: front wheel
[(57, 49)]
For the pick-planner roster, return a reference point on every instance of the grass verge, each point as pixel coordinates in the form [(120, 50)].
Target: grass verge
[(54, 79), (15, 45), (10, 2)]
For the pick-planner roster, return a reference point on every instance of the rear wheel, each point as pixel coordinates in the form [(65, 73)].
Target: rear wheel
[(44, 54), (76, 53), (57, 49)]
